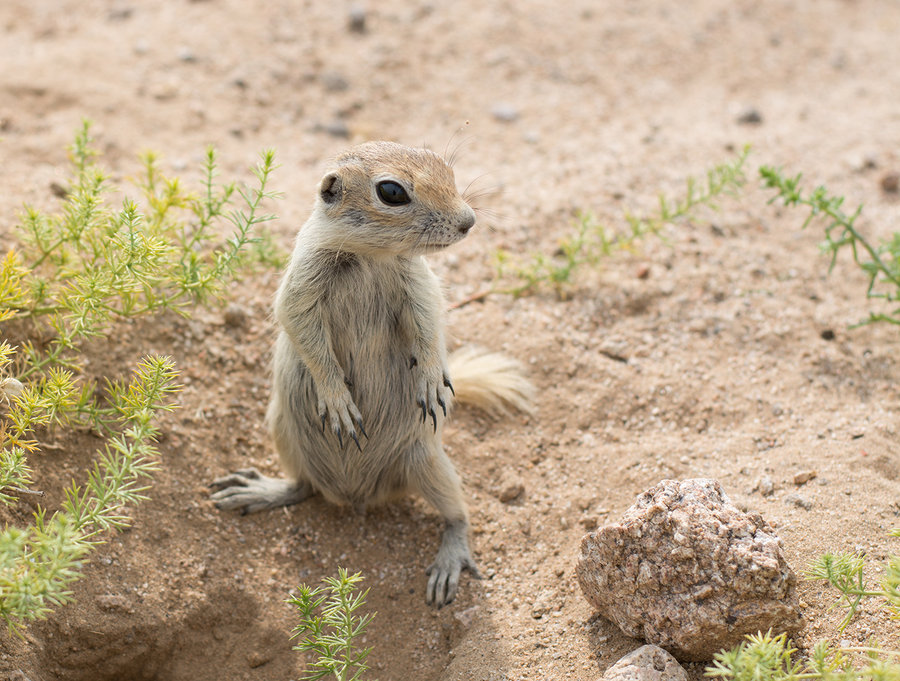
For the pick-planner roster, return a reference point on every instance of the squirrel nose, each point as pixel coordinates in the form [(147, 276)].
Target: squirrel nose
[(466, 223)]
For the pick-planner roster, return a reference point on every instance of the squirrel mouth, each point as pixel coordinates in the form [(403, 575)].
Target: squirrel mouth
[(434, 245)]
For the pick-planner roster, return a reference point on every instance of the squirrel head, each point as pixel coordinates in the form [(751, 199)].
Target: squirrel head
[(386, 198)]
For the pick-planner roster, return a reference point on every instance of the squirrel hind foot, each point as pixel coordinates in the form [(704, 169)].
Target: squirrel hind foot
[(249, 491)]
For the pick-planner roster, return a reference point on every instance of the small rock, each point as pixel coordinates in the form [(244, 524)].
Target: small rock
[(505, 113), (798, 500), (890, 183), (356, 19), (120, 13), (685, 569), (17, 675), (863, 162), (827, 334), (257, 658), (334, 82), (235, 316), (765, 486), (804, 477), (510, 488), (186, 54), (750, 116), (542, 604), (58, 190), (111, 602), (642, 271), (647, 663), (590, 522), (467, 616), (336, 128), (11, 387)]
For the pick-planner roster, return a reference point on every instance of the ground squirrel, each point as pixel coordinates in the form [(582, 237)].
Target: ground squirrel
[(361, 377)]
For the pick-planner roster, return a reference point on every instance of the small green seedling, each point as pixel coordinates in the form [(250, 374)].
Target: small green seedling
[(330, 628)]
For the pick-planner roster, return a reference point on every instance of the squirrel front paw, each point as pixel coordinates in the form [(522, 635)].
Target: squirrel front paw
[(336, 407), (431, 389)]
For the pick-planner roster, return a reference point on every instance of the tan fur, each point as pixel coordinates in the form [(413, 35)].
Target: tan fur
[(361, 377)]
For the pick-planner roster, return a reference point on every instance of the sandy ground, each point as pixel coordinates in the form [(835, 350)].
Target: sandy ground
[(740, 363)]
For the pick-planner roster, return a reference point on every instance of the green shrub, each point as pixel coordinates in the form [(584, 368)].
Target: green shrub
[(329, 628), (590, 241), (881, 263), (71, 277), (769, 657)]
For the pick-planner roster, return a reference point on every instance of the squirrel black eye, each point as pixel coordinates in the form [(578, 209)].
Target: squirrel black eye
[(392, 193)]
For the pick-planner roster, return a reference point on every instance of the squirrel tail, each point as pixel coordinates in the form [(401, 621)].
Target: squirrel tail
[(490, 381)]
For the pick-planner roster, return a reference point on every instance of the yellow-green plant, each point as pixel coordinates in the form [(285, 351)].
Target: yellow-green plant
[(767, 657), (590, 241), (845, 572), (70, 277), (881, 262), (329, 627), (771, 657)]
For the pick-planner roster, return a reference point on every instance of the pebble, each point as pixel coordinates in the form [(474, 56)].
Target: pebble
[(356, 19), (804, 477), (890, 183), (647, 663), (120, 13), (467, 616), (334, 82), (798, 500), (235, 316), (590, 522), (765, 486), (11, 387), (114, 602), (336, 128), (258, 658), (750, 116), (510, 489), (541, 605), (505, 113)]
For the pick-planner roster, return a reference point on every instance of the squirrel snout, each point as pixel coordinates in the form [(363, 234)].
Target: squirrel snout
[(466, 223)]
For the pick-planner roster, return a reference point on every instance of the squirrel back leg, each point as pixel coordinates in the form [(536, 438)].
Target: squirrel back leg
[(248, 490), (431, 474)]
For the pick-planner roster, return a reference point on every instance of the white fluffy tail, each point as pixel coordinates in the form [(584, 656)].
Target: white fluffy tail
[(490, 381)]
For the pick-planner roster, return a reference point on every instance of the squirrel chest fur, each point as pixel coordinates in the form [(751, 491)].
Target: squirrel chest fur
[(369, 303)]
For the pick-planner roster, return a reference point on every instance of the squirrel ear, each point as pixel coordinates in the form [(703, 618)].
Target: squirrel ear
[(331, 188)]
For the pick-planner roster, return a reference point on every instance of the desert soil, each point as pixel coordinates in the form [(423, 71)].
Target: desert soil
[(739, 360)]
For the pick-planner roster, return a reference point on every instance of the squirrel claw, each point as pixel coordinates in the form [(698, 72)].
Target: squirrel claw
[(443, 405), (362, 430), (449, 384), (421, 403), (355, 439), (433, 418)]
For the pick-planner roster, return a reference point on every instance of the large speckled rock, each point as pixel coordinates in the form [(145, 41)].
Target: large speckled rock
[(688, 571), (647, 663)]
